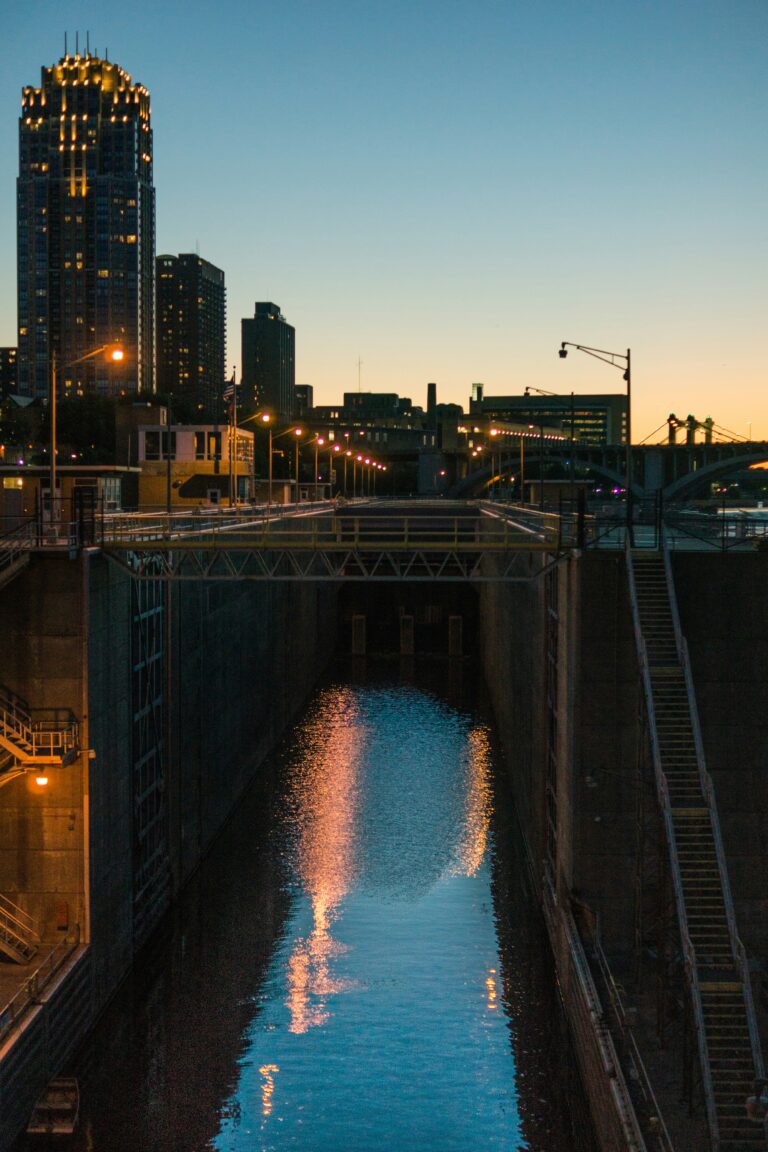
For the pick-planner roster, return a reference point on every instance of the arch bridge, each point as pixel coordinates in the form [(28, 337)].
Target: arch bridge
[(676, 471)]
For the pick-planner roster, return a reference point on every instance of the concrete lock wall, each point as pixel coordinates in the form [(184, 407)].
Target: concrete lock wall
[(42, 841), (236, 662), (724, 617)]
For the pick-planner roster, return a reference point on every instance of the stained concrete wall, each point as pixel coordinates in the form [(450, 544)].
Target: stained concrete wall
[(244, 659), (240, 660), (42, 828), (724, 616), (723, 602), (596, 732)]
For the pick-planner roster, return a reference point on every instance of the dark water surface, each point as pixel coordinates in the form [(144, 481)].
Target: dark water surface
[(357, 964)]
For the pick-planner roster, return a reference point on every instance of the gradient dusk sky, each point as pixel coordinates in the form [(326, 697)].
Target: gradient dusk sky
[(447, 190)]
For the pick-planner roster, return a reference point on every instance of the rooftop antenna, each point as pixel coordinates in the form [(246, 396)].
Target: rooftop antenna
[(106, 55), (77, 43), (87, 43), (66, 53), (359, 366)]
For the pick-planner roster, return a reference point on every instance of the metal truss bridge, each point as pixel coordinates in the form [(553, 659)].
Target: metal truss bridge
[(428, 543), (422, 541)]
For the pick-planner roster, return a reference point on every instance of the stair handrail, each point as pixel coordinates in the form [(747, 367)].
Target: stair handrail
[(25, 923), (16, 718), (689, 952), (708, 791)]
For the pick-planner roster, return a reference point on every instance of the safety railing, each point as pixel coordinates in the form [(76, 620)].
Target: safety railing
[(662, 790), (715, 531), (708, 792), (28, 996), (20, 921), (44, 734), (342, 530), (612, 1107), (15, 542), (639, 1074)]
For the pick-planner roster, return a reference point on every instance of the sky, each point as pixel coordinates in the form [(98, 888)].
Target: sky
[(444, 191)]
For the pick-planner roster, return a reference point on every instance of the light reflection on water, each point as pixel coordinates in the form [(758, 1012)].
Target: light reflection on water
[(356, 966), (379, 1026)]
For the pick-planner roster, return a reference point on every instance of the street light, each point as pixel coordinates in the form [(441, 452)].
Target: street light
[(616, 360), (115, 353), (266, 419)]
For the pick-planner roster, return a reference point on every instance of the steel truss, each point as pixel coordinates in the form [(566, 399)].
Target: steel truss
[(174, 561)]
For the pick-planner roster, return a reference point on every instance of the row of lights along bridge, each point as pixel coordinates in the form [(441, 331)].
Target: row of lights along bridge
[(367, 465)]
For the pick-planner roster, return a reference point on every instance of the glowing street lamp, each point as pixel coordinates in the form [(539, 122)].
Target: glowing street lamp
[(623, 361)]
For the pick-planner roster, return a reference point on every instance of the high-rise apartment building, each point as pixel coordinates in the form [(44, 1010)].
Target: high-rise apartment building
[(86, 230), (269, 362), (8, 372), (191, 333)]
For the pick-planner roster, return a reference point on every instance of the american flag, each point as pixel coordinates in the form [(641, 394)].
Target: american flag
[(229, 391)]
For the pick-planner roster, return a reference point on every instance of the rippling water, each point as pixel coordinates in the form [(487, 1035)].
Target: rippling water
[(355, 966)]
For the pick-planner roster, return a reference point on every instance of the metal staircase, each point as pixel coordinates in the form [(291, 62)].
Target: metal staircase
[(42, 737), (717, 974), (19, 936)]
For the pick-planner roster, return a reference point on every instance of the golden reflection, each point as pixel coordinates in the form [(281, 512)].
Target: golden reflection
[(324, 795), (491, 989), (477, 814), (268, 1071)]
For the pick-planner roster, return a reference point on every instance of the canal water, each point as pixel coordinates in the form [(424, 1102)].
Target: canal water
[(358, 964)]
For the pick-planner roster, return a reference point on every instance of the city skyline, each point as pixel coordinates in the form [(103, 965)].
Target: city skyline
[(448, 195)]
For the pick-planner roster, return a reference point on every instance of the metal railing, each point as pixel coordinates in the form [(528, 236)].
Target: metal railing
[(51, 735), (15, 542), (22, 923), (708, 792), (662, 790), (28, 995), (632, 1052), (612, 1107)]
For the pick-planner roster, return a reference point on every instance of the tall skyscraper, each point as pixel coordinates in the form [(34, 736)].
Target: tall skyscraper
[(8, 372), (86, 229), (269, 362), (191, 333)]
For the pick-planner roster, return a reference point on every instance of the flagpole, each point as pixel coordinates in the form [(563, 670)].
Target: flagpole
[(234, 430)]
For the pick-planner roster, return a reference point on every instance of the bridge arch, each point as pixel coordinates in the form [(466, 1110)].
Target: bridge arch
[(482, 477), (686, 485)]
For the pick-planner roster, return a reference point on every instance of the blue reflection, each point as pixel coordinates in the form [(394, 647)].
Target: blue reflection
[(380, 1024)]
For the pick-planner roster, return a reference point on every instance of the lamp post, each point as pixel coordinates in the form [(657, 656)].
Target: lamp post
[(616, 360), (115, 353), (331, 469), (347, 456), (266, 419), (318, 441), (169, 423), (297, 433)]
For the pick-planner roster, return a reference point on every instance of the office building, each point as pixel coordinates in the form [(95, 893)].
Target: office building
[(8, 372), (269, 363), (191, 334), (86, 230), (596, 419)]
